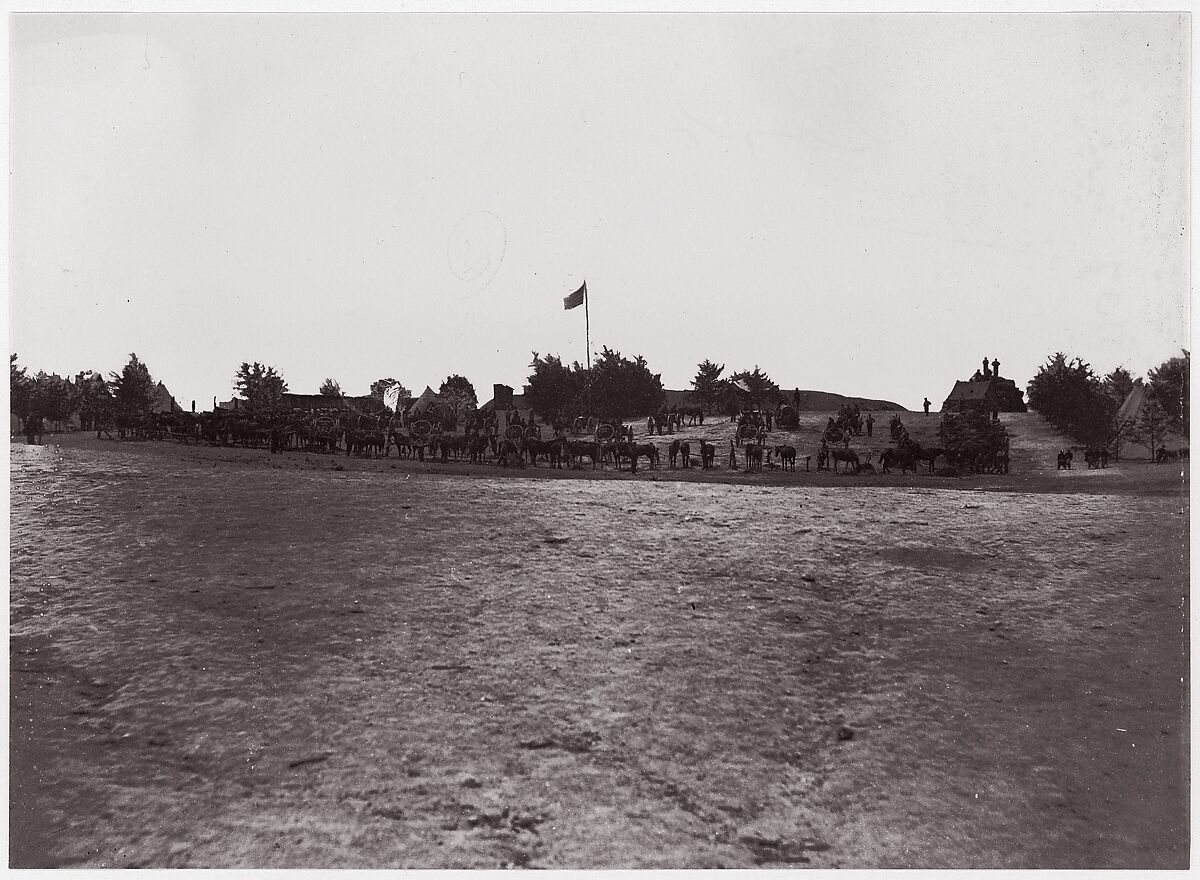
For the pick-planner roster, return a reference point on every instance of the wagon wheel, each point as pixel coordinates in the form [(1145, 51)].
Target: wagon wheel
[(422, 428), (747, 432), (605, 432), (533, 432), (514, 432), (579, 425), (834, 434)]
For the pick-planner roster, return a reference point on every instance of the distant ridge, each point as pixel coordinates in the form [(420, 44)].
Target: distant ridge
[(820, 401), (827, 400)]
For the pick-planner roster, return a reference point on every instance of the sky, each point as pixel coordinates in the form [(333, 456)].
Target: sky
[(865, 204)]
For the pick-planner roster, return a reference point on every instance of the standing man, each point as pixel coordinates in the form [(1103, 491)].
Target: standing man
[(926, 406), (870, 424)]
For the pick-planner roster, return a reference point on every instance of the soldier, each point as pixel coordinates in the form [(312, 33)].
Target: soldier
[(870, 424), (927, 405)]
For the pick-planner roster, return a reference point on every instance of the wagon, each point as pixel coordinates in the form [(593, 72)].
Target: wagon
[(834, 434), (324, 433), (746, 432)]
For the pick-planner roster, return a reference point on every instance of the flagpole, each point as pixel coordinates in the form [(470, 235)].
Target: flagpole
[(587, 340)]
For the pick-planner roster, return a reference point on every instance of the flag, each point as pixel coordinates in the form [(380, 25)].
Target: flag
[(391, 397), (575, 299), (741, 383)]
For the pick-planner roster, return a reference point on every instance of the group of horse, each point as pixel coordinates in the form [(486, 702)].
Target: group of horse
[(363, 435), (674, 418)]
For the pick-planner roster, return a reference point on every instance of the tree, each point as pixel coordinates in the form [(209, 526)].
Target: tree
[(1068, 395), (262, 388), (1150, 425), (330, 388), (458, 398), (763, 392), (380, 386), (621, 387), (19, 388), (1171, 383), (708, 385), (95, 401), (1118, 384), (554, 389), (54, 398), (132, 392)]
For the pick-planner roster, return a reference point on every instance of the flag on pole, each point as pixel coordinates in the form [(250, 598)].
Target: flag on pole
[(575, 299)]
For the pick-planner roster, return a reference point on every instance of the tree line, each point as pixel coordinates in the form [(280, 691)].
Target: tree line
[(1069, 395), (617, 387), (129, 396)]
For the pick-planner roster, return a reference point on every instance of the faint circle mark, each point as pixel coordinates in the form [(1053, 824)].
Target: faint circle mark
[(476, 249)]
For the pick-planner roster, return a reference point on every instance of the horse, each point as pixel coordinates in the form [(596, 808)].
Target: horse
[(577, 449), (685, 450), (901, 455), (708, 454), (633, 451), (511, 449), (694, 414), (557, 452), (929, 456), (479, 448), (754, 457), (847, 455), (787, 456), (673, 453)]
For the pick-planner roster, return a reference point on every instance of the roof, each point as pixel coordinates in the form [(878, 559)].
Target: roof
[(518, 402), (161, 400), (970, 392)]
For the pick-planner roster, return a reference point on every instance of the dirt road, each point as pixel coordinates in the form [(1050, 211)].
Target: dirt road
[(220, 660)]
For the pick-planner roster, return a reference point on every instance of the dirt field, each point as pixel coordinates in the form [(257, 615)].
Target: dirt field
[(223, 660)]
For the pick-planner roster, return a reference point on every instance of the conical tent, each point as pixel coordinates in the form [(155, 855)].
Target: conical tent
[(1133, 403), (163, 402), (424, 403)]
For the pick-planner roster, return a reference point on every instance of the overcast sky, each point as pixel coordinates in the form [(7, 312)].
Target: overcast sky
[(865, 204)]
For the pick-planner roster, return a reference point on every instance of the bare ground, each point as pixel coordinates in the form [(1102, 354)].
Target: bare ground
[(223, 660)]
